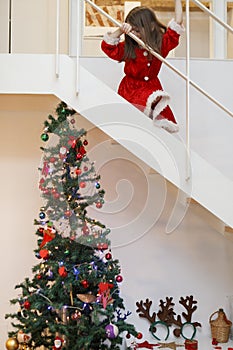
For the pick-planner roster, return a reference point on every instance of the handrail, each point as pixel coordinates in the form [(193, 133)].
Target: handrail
[(149, 49), (57, 66), (187, 129), (211, 14)]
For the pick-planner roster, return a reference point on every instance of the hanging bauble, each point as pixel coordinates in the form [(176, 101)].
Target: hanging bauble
[(85, 168), (97, 185), (108, 256), (62, 271), (119, 278), (102, 246), (112, 331), (41, 215), (85, 283), (82, 184), (99, 205), (128, 335), (85, 230), (68, 213), (78, 171), (27, 304), (12, 344), (49, 274), (139, 335), (56, 195), (52, 159), (72, 121), (44, 137), (39, 277), (79, 156)]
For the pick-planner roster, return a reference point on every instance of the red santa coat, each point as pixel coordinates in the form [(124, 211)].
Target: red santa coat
[(141, 85)]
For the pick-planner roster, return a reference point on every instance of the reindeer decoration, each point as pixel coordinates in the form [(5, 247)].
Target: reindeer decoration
[(167, 316)]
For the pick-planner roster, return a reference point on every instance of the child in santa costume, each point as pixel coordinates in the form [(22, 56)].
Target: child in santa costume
[(140, 85)]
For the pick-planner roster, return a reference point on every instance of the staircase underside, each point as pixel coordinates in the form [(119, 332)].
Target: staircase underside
[(35, 74)]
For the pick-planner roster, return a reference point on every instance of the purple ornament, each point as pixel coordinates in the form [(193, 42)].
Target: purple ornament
[(111, 331)]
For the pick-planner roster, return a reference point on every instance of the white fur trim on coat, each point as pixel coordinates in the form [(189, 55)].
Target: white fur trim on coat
[(166, 124), (178, 28), (110, 40), (160, 105)]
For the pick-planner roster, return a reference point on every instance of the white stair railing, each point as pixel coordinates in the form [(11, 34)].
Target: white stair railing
[(186, 76)]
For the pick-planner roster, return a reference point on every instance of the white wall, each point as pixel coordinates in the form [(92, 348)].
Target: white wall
[(194, 259), (34, 26)]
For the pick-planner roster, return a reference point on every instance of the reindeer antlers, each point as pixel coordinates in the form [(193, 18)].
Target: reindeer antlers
[(144, 310), (167, 315)]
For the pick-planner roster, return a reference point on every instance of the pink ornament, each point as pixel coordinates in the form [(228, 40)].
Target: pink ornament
[(98, 205)]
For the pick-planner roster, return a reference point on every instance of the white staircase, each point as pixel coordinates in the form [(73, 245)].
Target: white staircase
[(165, 153)]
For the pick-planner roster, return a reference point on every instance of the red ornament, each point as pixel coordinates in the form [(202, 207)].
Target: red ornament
[(82, 184), (85, 230), (78, 171), (27, 305), (119, 278), (52, 160), (139, 335), (85, 168), (62, 271), (102, 246), (128, 335), (44, 254), (98, 205), (108, 256), (79, 156), (56, 195), (39, 277), (68, 213), (85, 283), (85, 142)]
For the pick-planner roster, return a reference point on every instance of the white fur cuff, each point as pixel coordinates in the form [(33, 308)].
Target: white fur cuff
[(179, 29), (109, 40)]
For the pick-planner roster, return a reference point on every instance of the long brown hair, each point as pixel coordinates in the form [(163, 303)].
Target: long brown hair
[(150, 28)]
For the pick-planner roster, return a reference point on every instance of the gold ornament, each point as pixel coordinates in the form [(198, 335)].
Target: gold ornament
[(12, 344)]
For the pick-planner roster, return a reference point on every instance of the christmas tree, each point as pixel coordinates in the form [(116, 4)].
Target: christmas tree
[(72, 301)]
